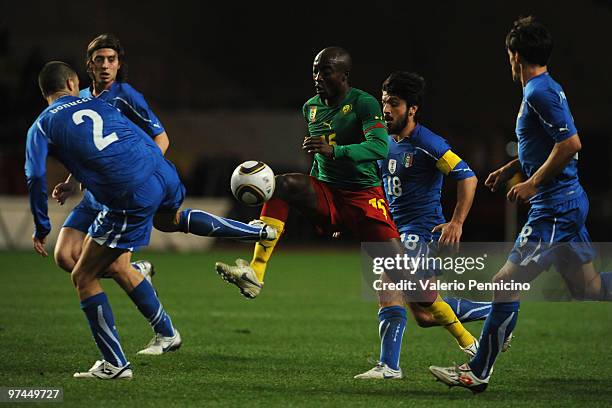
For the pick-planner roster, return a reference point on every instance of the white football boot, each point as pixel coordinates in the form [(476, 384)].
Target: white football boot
[(103, 370), (472, 349), (161, 344), (241, 275), (460, 376), (267, 233), (381, 372), (146, 269)]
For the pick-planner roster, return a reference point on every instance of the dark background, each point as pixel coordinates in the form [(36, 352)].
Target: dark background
[(233, 59)]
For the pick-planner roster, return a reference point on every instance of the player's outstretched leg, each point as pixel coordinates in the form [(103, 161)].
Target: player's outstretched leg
[(291, 189), (249, 276), (205, 224)]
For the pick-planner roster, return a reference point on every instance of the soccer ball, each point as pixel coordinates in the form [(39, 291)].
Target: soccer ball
[(252, 183)]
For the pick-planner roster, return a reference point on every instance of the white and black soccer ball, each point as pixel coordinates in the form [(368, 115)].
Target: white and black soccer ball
[(252, 183)]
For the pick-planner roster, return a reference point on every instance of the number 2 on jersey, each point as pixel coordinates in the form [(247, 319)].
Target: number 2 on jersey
[(99, 139)]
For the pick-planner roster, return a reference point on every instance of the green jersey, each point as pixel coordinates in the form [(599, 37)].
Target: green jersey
[(357, 132)]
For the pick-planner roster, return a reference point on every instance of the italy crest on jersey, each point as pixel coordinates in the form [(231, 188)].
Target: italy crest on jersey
[(313, 113), (392, 166), (408, 159)]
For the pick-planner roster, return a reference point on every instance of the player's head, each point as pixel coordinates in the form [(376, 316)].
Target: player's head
[(330, 71), (528, 43), (56, 77), (402, 98), (105, 60)]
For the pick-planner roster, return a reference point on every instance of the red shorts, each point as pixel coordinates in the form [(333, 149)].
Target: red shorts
[(365, 213)]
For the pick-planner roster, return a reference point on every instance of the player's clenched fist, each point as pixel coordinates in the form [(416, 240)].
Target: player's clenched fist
[(499, 176), (63, 190), (317, 144)]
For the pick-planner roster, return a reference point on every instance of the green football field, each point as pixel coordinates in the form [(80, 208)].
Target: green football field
[(298, 344)]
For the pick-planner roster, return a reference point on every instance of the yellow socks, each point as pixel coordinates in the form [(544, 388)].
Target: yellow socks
[(263, 249), (444, 316)]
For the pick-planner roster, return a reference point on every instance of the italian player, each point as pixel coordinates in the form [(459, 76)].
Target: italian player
[(347, 135), (555, 232), (108, 72), (136, 187), (412, 175)]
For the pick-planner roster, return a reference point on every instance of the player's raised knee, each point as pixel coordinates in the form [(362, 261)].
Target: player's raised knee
[(290, 186), (64, 258)]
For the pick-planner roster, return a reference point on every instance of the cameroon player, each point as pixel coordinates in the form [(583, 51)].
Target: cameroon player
[(347, 135)]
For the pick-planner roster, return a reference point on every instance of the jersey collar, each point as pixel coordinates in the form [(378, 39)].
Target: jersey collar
[(407, 139)]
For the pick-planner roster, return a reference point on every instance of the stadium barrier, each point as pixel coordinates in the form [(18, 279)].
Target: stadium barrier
[(16, 224)]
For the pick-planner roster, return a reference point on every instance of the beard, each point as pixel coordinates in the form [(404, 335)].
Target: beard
[(398, 125)]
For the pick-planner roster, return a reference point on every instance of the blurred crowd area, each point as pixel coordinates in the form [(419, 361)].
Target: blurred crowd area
[(239, 97)]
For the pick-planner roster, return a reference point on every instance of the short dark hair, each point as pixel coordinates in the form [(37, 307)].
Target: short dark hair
[(107, 40), (53, 76), (409, 86), (531, 40)]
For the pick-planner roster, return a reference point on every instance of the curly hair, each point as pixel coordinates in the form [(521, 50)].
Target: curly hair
[(409, 86)]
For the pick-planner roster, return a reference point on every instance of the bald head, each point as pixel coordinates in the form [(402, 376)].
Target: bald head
[(330, 71), (337, 57)]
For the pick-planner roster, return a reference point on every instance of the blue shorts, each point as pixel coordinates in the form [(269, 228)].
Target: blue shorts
[(555, 235), (128, 224), (84, 214), (420, 243)]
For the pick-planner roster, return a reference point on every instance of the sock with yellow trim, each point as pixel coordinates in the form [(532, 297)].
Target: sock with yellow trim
[(274, 213), (444, 316)]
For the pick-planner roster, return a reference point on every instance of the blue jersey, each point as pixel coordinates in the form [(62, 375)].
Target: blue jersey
[(105, 151), (412, 178), (132, 104), (543, 120)]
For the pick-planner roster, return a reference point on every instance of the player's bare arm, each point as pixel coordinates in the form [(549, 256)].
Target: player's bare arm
[(452, 230), (558, 158), (162, 141), (62, 191), (502, 174)]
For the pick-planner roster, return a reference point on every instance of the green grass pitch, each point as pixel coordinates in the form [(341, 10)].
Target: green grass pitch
[(298, 344)]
